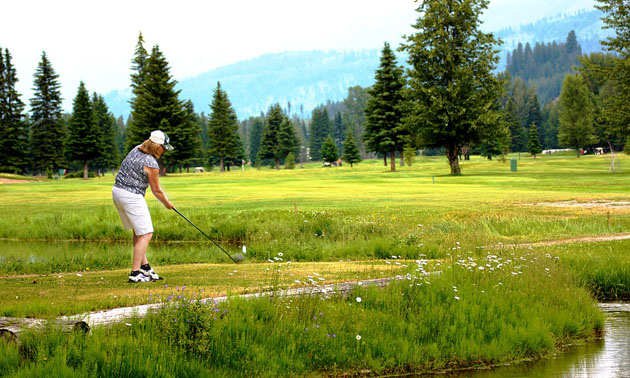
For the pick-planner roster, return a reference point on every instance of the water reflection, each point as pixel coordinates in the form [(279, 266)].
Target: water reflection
[(608, 358)]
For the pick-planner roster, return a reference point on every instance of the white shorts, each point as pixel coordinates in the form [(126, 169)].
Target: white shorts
[(133, 211)]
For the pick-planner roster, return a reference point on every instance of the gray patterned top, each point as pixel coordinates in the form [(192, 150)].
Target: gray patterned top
[(131, 176)]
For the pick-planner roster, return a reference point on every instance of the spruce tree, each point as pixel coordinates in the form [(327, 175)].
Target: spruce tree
[(288, 141), (384, 130), (329, 150), (351, 153), (278, 137), (188, 137), (47, 126), (339, 130), (320, 129), (157, 106), (354, 114), (534, 143), (453, 87), (84, 136), (575, 114), (13, 126), (107, 124), (254, 140), (222, 127), (617, 107)]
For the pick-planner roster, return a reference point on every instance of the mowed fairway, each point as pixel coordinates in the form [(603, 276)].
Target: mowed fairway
[(314, 214)]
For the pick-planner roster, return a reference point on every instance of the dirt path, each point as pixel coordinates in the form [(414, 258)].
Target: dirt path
[(584, 239), (12, 181)]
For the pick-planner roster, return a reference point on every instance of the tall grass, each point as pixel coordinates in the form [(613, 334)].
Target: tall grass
[(481, 310)]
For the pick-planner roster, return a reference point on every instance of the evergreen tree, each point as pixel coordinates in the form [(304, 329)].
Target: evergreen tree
[(157, 106), (189, 148), (107, 125), (617, 105), (289, 162), (384, 129), (222, 127), (534, 143), (549, 129), (329, 150), (47, 126), (288, 141), (254, 140), (138, 66), (84, 136), (320, 129), (353, 114), (409, 153), (13, 126), (575, 114), (351, 153), (278, 137), (339, 130), (453, 88)]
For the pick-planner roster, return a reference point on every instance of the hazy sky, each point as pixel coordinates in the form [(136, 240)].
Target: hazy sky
[(94, 41)]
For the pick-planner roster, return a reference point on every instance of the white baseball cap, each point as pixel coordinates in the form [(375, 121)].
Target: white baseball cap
[(161, 138)]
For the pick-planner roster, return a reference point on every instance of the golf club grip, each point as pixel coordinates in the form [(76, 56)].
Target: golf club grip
[(204, 234)]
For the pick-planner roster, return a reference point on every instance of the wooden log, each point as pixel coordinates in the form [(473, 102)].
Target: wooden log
[(11, 328), (109, 317), (117, 315)]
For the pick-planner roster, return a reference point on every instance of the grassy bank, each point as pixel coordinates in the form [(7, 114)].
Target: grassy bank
[(512, 309)]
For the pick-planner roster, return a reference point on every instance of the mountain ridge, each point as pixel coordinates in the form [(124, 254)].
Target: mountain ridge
[(307, 79)]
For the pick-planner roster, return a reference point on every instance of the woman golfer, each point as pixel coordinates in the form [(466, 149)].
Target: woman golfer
[(138, 171)]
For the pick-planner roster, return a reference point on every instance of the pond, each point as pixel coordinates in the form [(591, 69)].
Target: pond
[(608, 357)]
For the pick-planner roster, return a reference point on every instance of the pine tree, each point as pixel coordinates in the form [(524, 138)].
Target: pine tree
[(384, 130), (84, 136), (320, 129), (534, 143), (329, 150), (339, 130), (288, 141), (47, 127), (188, 137), (107, 124), (222, 127), (289, 162), (278, 137), (409, 154), (13, 126), (254, 140), (351, 152), (354, 114), (453, 88), (575, 114), (617, 107), (157, 106)]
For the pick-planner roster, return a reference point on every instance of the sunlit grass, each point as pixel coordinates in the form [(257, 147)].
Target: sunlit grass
[(483, 309), (78, 292)]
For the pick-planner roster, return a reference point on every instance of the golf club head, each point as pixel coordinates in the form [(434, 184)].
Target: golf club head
[(238, 258)]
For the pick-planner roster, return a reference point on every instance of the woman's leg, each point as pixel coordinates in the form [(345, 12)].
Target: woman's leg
[(140, 244)]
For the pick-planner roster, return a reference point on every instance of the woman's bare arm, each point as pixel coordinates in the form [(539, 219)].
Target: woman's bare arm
[(154, 182)]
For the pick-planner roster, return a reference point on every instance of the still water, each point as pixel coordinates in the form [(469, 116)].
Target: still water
[(608, 357)]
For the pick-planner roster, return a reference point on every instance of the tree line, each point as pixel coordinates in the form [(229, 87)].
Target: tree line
[(448, 99)]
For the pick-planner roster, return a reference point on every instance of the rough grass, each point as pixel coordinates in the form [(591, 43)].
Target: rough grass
[(515, 308)]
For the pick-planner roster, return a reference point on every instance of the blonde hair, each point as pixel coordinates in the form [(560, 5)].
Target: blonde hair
[(150, 147)]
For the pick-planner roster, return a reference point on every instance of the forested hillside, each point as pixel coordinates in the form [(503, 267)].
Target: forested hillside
[(309, 78)]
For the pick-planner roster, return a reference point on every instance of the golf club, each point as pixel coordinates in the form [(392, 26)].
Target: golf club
[(236, 258)]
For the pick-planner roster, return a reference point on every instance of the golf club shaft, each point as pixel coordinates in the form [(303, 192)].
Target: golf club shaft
[(204, 234)]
